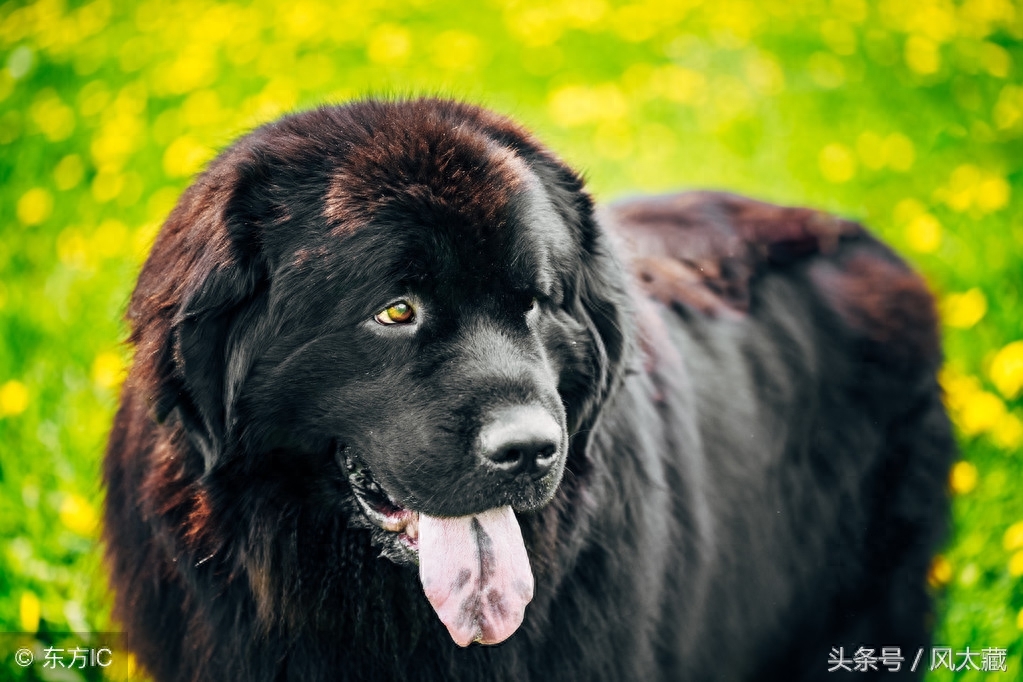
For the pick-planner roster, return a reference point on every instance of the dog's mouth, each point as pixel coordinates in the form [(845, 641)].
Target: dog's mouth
[(380, 508), (474, 569)]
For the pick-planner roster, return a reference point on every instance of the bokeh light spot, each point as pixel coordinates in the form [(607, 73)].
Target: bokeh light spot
[(963, 310), (940, 572), (185, 156), (1006, 370), (68, 172), (34, 206), (106, 186), (1008, 110), (457, 51), (837, 163), (29, 611), (13, 398), (109, 240), (19, 61), (389, 45), (963, 478), (108, 370), (980, 413), (202, 108), (923, 233), (922, 55), (575, 105), (78, 515), (72, 249), (55, 119), (996, 60), (1008, 433), (826, 70), (1016, 565), (1013, 538)]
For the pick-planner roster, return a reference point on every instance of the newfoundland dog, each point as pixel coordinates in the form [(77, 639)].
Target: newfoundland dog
[(406, 406)]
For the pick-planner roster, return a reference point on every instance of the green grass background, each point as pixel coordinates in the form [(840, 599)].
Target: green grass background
[(907, 114)]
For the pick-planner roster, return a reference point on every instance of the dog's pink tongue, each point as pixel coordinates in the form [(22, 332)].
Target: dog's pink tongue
[(476, 574)]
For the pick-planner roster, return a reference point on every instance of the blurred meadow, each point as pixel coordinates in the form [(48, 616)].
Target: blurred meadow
[(906, 114)]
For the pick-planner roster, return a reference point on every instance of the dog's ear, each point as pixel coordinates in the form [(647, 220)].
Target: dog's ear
[(597, 296), (602, 305), (204, 269)]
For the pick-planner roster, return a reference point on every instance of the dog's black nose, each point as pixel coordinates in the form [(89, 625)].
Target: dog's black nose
[(520, 440)]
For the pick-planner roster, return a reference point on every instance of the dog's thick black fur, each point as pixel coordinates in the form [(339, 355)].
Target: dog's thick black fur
[(742, 454)]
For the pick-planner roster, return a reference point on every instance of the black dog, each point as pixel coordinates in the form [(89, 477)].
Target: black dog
[(694, 437)]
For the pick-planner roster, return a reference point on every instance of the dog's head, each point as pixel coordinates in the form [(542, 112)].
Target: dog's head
[(418, 289)]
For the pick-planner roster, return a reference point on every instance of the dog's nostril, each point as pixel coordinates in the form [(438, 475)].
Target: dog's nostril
[(521, 439), (521, 457), (508, 458)]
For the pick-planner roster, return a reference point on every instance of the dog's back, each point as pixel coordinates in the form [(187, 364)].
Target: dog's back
[(803, 354)]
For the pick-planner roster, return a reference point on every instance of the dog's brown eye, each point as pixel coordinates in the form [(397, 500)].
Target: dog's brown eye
[(399, 313)]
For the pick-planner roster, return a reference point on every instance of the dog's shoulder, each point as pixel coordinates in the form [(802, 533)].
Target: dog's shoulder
[(704, 251)]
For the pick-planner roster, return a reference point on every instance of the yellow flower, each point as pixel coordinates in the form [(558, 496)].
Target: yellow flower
[(907, 209), (837, 163), (107, 370), (202, 108), (29, 612), (981, 412), (923, 233), (106, 186), (1013, 538), (964, 310), (457, 51), (1016, 564), (13, 398), (77, 514), (1008, 432), (993, 193), (922, 55), (574, 105), (110, 238), (185, 156), (959, 388), (674, 83), (193, 68), (72, 249), (963, 478), (389, 45), (55, 119), (1019, 620), (34, 206), (1006, 370), (996, 59), (970, 187), (1008, 111), (940, 572), (69, 171)]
